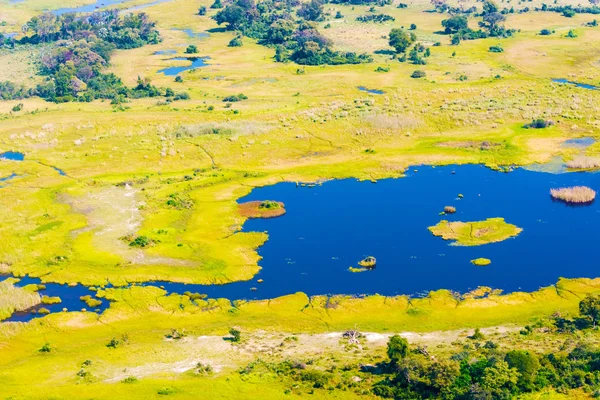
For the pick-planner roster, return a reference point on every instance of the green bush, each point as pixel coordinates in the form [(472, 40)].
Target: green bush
[(191, 49)]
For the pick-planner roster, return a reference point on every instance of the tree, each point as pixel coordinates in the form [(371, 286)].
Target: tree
[(202, 10), (311, 11), (280, 31), (455, 24), (191, 49), (397, 349), (590, 307), (492, 21), (236, 335), (232, 15), (527, 364), (216, 4), (489, 7), (499, 380), (401, 40), (236, 42)]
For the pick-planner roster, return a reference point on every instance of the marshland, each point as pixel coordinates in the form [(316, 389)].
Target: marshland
[(186, 188)]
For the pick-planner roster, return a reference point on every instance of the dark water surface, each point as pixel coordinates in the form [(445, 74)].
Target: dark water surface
[(332, 226)]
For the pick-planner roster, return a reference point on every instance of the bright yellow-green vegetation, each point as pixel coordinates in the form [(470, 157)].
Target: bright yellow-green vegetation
[(481, 262), (159, 171), (475, 233)]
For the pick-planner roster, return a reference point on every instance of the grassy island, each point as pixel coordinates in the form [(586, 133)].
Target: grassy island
[(262, 209), (475, 233), (481, 262)]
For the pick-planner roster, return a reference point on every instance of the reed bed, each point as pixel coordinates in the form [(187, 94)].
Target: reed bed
[(584, 162), (575, 194)]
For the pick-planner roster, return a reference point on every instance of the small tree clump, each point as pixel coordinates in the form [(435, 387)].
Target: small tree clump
[(401, 40), (236, 335), (191, 49)]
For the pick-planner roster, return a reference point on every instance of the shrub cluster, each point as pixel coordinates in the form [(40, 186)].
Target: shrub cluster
[(294, 39)]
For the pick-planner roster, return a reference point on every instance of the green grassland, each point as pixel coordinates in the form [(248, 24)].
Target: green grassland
[(177, 169)]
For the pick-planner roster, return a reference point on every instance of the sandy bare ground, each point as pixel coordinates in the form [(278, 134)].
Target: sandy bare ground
[(113, 213), (180, 356)]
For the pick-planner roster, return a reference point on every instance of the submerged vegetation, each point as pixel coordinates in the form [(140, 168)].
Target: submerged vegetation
[(475, 233)]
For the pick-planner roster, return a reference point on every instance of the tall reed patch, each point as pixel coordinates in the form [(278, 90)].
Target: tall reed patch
[(575, 194)]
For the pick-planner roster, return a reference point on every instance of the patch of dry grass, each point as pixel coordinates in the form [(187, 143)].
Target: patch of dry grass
[(14, 298), (575, 194), (584, 162)]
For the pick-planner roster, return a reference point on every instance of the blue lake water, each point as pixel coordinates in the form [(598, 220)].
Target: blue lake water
[(372, 91), (196, 62), (581, 85), (12, 155), (332, 226)]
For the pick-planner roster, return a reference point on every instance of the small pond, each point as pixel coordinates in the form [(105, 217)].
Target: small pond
[(143, 6), (7, 178), (192, 34), (332, 226), (581, 85), (196, 62), (88, 8), (12, 155), (16, 156), (372, 91), (165, 52), (579, 143), (104, 4), (69, 295)]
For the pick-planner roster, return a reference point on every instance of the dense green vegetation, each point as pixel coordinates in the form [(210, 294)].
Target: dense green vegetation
[(81, 48), (295, 40)]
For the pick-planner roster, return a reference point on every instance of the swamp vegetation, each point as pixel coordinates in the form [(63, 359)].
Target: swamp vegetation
[(137, 185)]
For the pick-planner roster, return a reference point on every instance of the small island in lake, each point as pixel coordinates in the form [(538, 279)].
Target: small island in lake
[(481, 262), (574, 195), (475, 233), (262, 209)]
